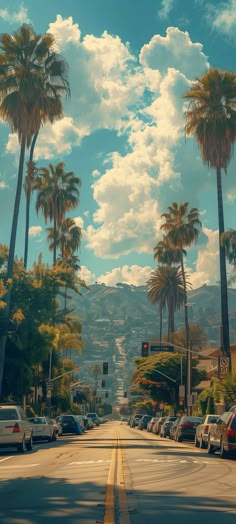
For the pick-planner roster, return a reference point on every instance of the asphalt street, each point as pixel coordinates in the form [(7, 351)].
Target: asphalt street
[(115, 474)]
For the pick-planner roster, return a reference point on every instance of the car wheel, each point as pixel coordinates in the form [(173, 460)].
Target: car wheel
[(223, 453), (210, 448), (29, 444), (196, 441), (22, 446)]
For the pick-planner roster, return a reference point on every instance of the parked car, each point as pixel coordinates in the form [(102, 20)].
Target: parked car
[(88, 423), (43, 429), (135, 419), (143, 422), (222, 434), (157, 426), (70, 424), (95, 418), (186, 428), (201, 435), (15, 428), (173, 428), (151, 423), (165, 427)]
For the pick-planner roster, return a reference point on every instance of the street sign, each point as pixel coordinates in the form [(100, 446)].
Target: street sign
[(223, 365), (161, 348)]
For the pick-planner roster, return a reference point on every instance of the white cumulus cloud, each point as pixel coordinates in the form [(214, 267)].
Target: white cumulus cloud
[(166, 8), (85, 274), (35, 231), (15, 17), (223, 17), (136, 275), (207, 264)]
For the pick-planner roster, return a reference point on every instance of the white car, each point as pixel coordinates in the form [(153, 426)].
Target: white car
[(15, 428), (202, 430), (43, 429)]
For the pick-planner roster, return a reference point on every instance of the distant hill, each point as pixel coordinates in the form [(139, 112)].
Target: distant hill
[(124, 302)]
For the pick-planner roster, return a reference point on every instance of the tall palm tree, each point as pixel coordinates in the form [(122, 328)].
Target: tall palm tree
[(228, 240), (24, 61), (57, 193), (211, 119), (182, 227), (166, 254), (166, 287), (53, 86)]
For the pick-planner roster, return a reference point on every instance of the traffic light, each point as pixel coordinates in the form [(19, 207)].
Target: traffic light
[(106, 394), (103, 383), (105, 368), (144, 349)]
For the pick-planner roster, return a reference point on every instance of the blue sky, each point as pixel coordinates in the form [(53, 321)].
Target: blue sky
[(122, 131)]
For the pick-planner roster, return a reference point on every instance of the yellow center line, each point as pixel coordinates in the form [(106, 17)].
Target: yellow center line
[(116, 480)]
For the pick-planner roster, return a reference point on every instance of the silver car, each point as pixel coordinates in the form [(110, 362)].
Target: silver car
[(15, 428)]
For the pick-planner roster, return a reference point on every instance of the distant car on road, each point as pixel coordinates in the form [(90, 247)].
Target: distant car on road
[(95, 418), (186, 428), (157, 426), (135, 419), (173, 429), (143, 422), (222, 434), (201, 435), (15, 428), (165, 427), (151, 423), (43, 429), (70, 424)]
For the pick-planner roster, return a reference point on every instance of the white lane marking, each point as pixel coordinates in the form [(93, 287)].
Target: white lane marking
[(178, 461), (20, 466), (91, 462), (6, 458)]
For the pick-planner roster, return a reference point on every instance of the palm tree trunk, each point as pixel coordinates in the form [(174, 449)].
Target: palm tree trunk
[(225, 342), (185, 303), (160, 309), (28, 195), (10, 265), (54, 242)]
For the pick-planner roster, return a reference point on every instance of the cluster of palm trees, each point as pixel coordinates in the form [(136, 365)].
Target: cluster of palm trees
[(167, 285), (33, 82), (211, 119)]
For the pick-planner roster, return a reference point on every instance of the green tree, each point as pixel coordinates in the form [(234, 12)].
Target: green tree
[(211, 119), (166, 287), (24, 67), (182, 227), (57, 193)]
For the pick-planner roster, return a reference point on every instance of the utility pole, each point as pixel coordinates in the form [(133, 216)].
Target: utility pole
[(189, 379)]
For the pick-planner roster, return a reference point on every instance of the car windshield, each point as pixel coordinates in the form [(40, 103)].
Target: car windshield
[(211, 419), (192, 419), (8, 414), (67, 418), (38, 420)]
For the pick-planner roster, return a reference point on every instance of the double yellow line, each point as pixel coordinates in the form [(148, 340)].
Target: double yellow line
[(116, 503)]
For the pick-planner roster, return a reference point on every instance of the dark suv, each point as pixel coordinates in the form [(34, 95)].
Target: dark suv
[(69, 424), (222, 434)]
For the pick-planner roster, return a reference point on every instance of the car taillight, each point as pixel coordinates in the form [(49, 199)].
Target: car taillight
[(16, 428), (206, 429), (185, 424), (230, 432)]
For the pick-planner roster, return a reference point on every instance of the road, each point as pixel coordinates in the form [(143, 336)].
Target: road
[(116, 475)]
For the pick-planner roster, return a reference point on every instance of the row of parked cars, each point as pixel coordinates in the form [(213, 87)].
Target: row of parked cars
[(214, 432), (18, 431)]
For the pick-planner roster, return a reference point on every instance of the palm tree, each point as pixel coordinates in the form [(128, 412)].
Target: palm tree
[(57, 193), (165, 253), (182, 228), (68, 238), (211, 119), (166, 287), (24, 62), (53, 85), (228, 240)]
